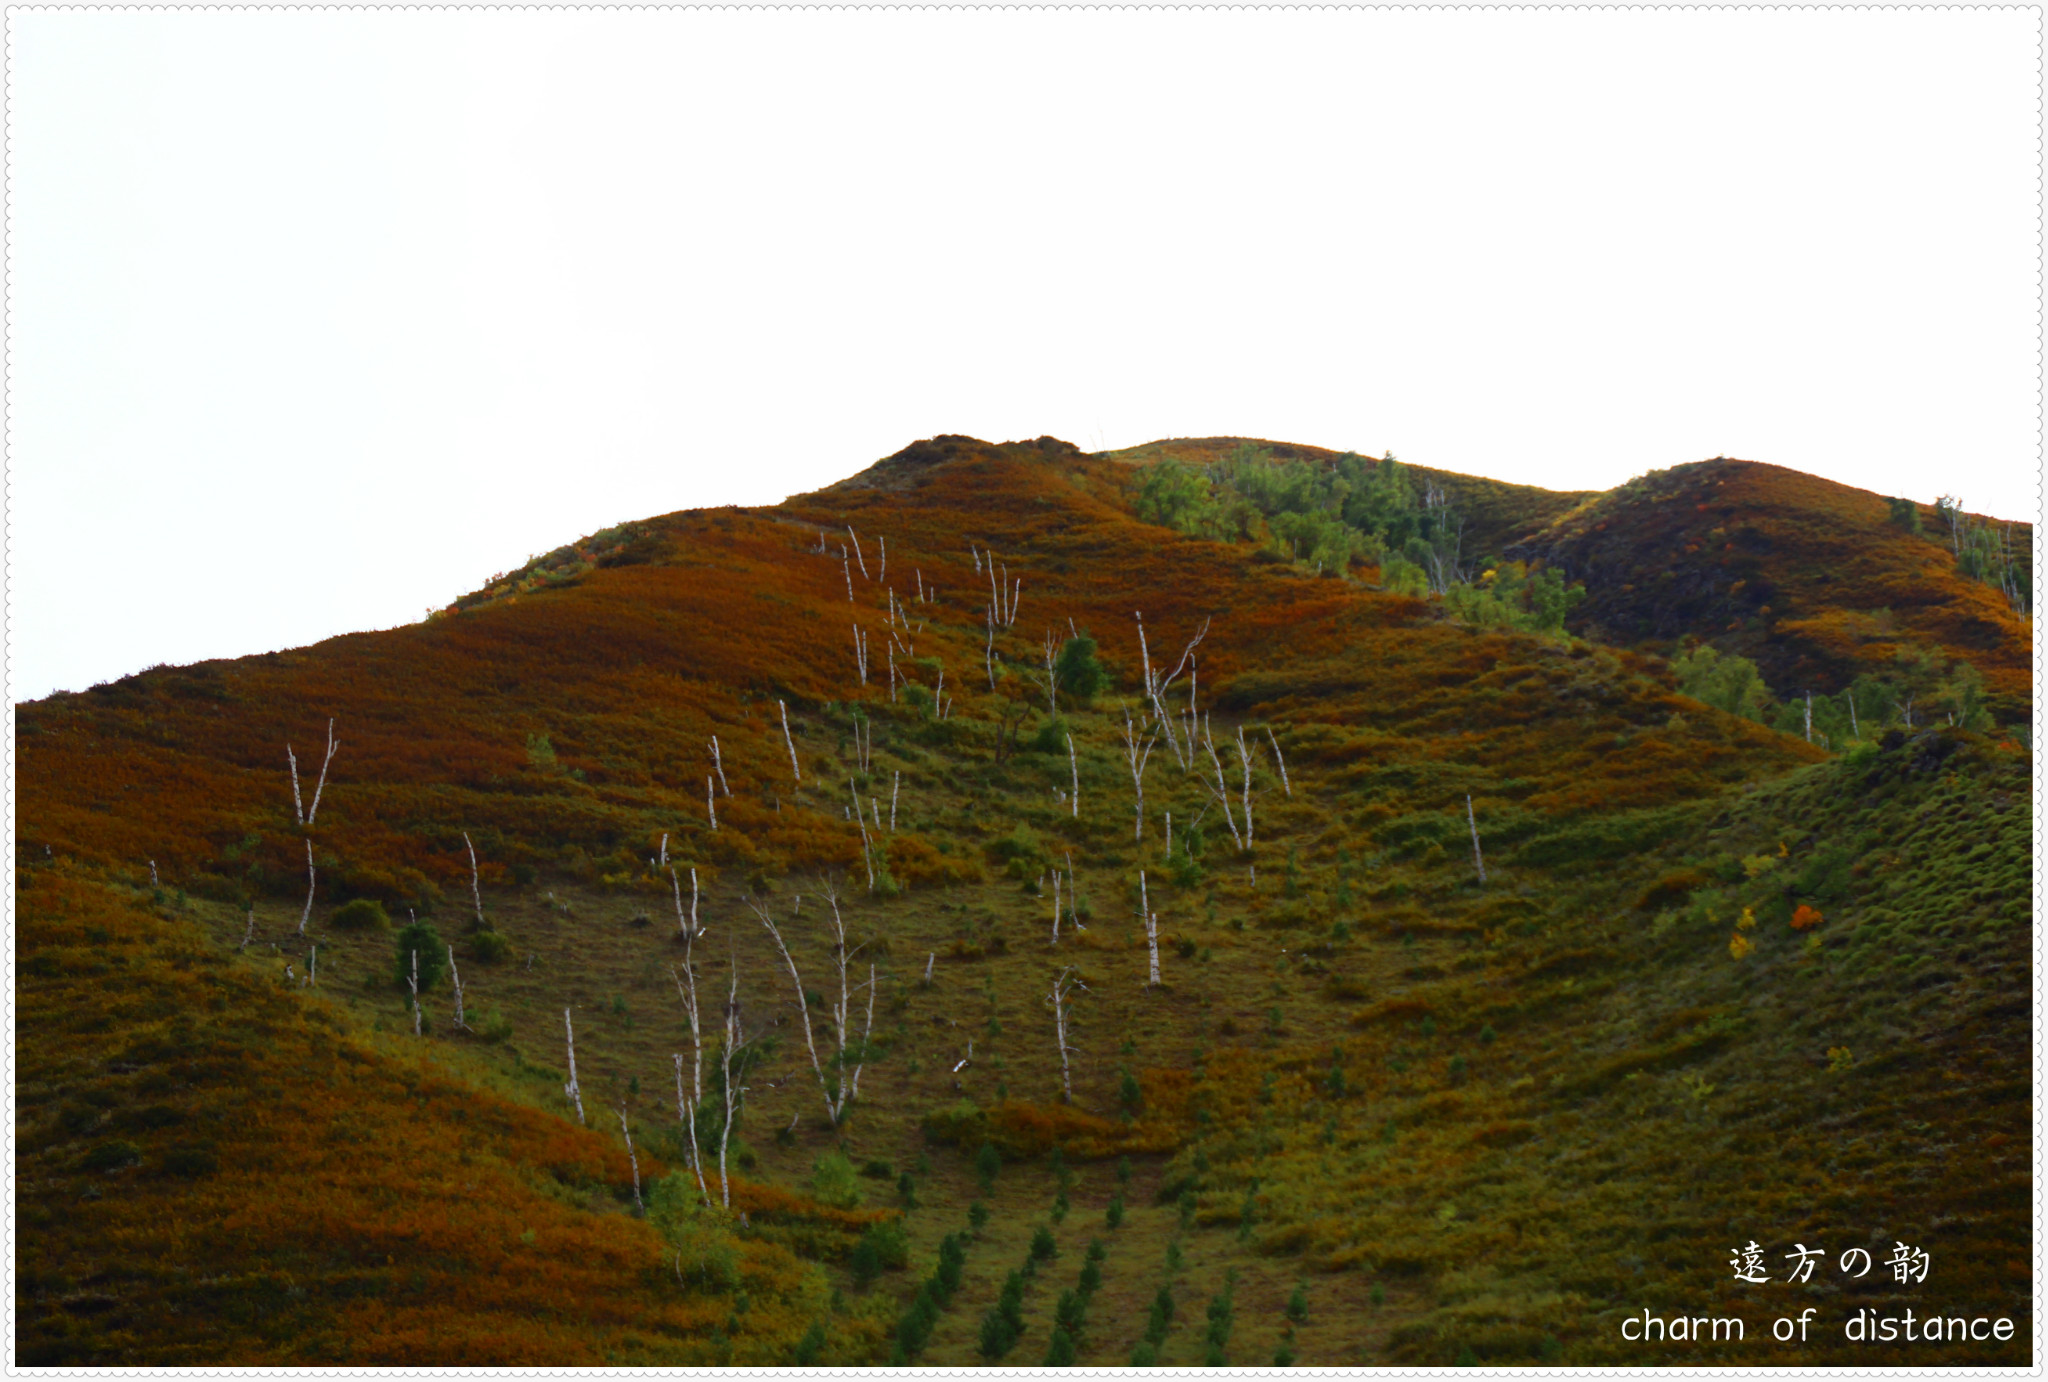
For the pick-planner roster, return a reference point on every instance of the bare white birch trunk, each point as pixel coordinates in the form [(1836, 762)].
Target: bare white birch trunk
[(803, 1009), (789, 740), (1074, 766), (1138, 755), (1478, 860), (1278, 761), (1055, 906), (895, 791), (414, 980), (1222, 790), (476, 891), (313, 811), (1062, 985), (856, 552), (632, 1157), (1151, 929), (686, 1114), (312, 881), (1244, 757), (718, 765), (455, 976), (732, 1039), (882, 573), (846, 569), (572, 1089), (249, 934), (298, 811)]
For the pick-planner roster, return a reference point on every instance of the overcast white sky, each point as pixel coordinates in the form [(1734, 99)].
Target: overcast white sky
[(319, 319)]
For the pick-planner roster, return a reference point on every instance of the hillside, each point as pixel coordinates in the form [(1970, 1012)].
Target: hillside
[(1714, 982), (1813, 581)]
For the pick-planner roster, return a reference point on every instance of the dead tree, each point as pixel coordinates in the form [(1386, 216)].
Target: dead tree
[(729, 1057), (1156, 686), (988, 652), (249, 934), (867, 846), (455, 976), (895, 791), (710, 803), (890, 652), (1138, 755), (572, 1089), (1063, 985), (313, 811), (863, 742), (313, 971), (791, 741), (298, 810), (856, 552), (414, 980), (312, 881), (1151, 929), (848, 1057), (686, 1114), (846, 568), (1055, 906), (1074, 765), (476, 891), (1244, 757), (689, 928), (882, 571), (632, 1157), (718, 765), (1221, 790), (1478, 861), (1281, 763), (1051, 679)]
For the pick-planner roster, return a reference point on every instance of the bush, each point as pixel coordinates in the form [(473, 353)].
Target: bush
[(987, 1163), (1144, 1355), (489, 947), (1043, 1248), (833, 1181), (891, 1243), (808, 1347), (363, 914), (111, 1156), (1060, 1352)]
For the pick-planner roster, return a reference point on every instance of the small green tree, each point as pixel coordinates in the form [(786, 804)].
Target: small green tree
[(419, 938), (987, 1163), (1905, 513), (1081, 674)]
